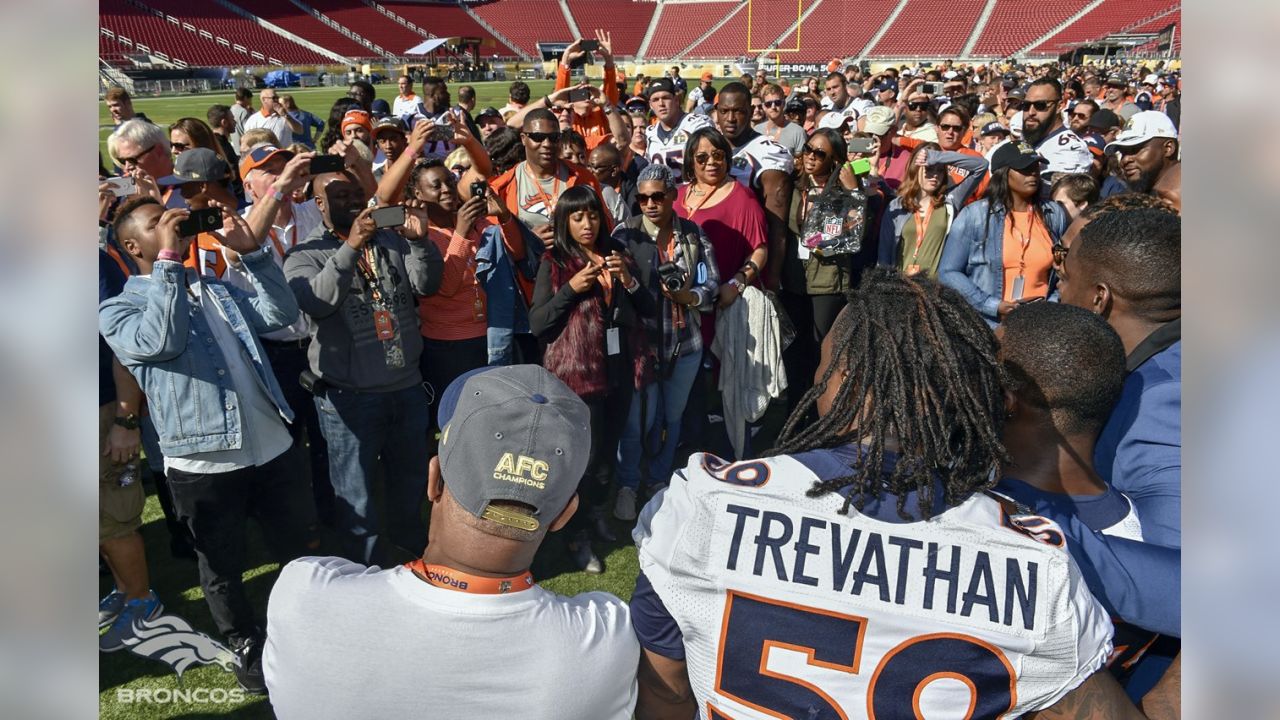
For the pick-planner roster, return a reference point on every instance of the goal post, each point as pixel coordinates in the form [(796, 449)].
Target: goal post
[(752, 50)]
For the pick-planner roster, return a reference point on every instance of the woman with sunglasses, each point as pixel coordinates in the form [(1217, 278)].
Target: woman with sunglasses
[(916, 224), (999, 253), (726, 211), (677, 265), (188, 133), (587, 314)]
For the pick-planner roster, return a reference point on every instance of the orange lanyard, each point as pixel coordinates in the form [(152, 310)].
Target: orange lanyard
[(275, 240), (550, 203), (1025, 239), (922, 224), (704, 199), (450, 579)]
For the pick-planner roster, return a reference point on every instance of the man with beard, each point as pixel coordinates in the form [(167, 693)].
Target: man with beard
[(1080, 115), (778, 127), (665, 139), (839, 100), (1148, 150), (359, 285), (1042, 128), (760, 164), (1116, 98)]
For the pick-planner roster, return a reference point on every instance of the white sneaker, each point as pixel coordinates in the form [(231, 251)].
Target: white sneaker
[(624, 508)]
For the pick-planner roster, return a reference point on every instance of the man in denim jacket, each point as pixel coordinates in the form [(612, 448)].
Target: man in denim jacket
[(192, 343)]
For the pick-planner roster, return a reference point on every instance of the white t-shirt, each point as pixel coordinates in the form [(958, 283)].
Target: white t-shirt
[(280, 239), (346, 641), (408, 106), (274, 123), (1066, 152), (781, 605), (758, 155), (668, 148)]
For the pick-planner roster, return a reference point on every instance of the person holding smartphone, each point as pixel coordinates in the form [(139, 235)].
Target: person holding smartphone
[(999, 252)]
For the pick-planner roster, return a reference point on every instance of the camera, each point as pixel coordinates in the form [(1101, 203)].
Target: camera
[(479, 188), (671, 276)]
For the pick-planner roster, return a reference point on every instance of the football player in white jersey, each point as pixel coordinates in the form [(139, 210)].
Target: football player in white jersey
[(667, 137), (1043, 129), (760, 164), (864, 571)]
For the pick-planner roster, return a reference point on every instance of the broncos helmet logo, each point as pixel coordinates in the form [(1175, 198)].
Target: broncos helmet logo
[(172, 640)]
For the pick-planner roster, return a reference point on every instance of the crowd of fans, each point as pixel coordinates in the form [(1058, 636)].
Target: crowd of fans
[(296, 314)]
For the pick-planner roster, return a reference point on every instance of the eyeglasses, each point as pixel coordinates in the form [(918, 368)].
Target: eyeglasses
[(1013, 104), (644, 199), (179, 147), (950, 128), (820, 154), (541, 137), (772, 103), (702, 158), (1060, 253), (134, 160), (601, 168), (918, 105), (1042, 105)]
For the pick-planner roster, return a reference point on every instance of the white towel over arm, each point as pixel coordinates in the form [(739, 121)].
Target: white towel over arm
[(749, 344)]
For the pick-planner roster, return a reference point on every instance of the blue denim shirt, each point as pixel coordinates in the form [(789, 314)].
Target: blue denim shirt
[(165, 341), (508, 314), (973, 256)]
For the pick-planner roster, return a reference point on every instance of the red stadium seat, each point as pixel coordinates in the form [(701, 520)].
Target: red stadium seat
[(527, 22), (1112, 16), (837, 30), (287, 15), (627, 20), (209, 15), (1016, 23), (369, 24), (767, 20), (683, 23), (930, 28), (448, 20)]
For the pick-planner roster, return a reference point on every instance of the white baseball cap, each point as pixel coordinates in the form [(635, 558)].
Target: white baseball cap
[(1142, 127), (1152, 79), (834, 119)]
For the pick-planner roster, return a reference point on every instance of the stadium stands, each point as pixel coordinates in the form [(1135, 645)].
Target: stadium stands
[(626, 19), (857, 24), (292, 18), (369, 24), (683, 23), (1158, 24), (767, 20), (449, 21), (167, 39), (1112, 16), (528, 22), (209, 15), (930, 28), (1016, 23)]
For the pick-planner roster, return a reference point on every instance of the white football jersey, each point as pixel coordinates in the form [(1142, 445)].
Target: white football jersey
[(784, 607), (670, 152), (758, 155), (1066, 152)]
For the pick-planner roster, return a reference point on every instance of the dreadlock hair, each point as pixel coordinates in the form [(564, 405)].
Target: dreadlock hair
[(915, 364)]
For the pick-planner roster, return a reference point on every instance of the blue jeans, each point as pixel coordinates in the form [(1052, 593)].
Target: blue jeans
[(668, 397), (365, 431)]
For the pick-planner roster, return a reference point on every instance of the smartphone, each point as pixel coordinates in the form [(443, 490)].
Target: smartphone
[(580, 95), (931, 88), (122, 186), (385, 217), (321, 164), (200, 221), (862, 145), (861, 166), (479, 188), (443, 131), (589, 45)]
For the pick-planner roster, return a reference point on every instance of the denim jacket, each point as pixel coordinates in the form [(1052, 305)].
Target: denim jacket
[(973, 256), (165, 341), (895, 218), (508, 314)]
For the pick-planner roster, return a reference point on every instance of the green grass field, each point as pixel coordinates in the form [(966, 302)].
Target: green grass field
[(164, 110)]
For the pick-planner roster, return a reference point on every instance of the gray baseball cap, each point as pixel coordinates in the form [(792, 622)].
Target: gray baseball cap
[(196, 165), (515, 434)]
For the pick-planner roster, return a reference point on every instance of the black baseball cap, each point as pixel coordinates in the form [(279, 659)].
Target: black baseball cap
[(1104, 119), (489, 112), (662, 84), (1017, 156)]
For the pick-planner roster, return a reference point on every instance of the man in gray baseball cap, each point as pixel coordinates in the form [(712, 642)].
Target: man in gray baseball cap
[(201, 176), (464, 627)]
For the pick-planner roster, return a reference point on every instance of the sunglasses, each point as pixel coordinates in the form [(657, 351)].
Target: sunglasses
[(179, 147), (950, 128), (557, 109), (1060, 253), (702, 158), (459, 169), (1081, 116), (820, 154), (1042, 105), (1013, 104), (644, 199), (772, 103), (601, 168), (134, 160), (541, 137), (918, 105)]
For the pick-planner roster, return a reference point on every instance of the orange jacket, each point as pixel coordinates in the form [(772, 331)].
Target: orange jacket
[(594, 126)]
